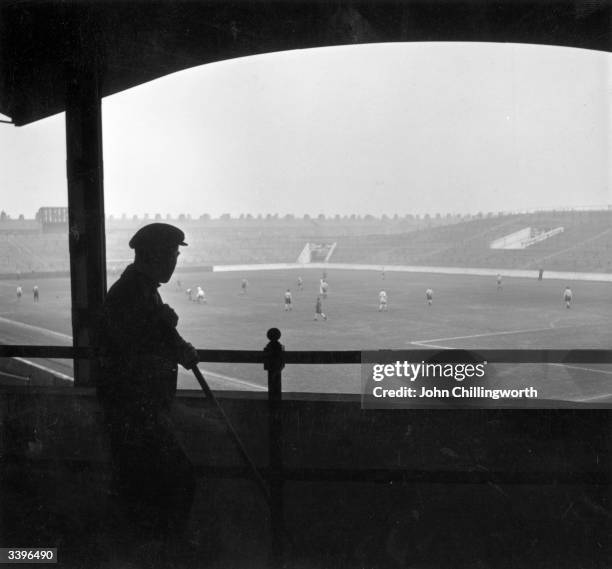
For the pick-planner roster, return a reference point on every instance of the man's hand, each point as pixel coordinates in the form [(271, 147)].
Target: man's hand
[(168, 316), (188, 356)]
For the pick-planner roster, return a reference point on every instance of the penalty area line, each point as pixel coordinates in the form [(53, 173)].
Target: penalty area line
[(485, 335)]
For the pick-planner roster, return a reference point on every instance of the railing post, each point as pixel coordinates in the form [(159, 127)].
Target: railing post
[(274, 364)]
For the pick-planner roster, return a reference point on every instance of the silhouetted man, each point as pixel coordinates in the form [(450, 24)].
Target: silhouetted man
[(139, 352)]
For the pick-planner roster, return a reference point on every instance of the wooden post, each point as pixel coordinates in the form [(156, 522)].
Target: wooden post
[(85, 198)]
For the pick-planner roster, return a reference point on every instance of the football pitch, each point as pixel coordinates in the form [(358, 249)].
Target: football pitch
[(468, 312)]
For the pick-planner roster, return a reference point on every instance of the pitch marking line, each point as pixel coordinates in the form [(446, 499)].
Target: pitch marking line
[(582, 368), (35, 328), (210, 373), (507, 332), (58, 374), (69, 338), (428, 344), (594, 398), (227, 378)]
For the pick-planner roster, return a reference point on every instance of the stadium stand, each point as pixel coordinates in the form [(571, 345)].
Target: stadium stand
[(584, 245)]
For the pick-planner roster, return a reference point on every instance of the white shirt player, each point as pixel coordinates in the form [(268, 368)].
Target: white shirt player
[(567, 296), (323, 286), (429, 296), (382, 300), (288, 300), (201, 295)]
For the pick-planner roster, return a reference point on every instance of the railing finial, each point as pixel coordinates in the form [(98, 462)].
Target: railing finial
[(273, 334), (273, 352)]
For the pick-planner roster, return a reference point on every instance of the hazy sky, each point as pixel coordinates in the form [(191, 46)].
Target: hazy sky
[(389, 128)]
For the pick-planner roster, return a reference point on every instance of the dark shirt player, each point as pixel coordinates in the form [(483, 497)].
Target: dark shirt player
[(139, 351)]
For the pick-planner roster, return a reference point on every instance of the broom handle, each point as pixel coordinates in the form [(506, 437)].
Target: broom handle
[(247, 459)]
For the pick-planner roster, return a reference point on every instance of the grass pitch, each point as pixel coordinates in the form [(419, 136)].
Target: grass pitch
[(468, 312)]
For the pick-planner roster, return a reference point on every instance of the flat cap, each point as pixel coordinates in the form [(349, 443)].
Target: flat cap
[(157, 235)]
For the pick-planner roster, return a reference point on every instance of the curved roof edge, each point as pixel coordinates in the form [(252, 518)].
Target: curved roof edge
[(45, 44)]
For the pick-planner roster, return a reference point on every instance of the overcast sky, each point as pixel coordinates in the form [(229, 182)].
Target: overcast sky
[(389, 128)]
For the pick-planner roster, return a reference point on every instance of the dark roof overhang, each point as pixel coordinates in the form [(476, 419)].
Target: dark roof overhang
[(44, 44)]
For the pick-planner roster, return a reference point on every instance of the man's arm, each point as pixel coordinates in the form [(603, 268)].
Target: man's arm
[(186, 354)]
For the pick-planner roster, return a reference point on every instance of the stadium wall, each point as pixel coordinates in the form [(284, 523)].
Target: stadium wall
[(526, 274), (57, 468), (33, 275), (532, 273)]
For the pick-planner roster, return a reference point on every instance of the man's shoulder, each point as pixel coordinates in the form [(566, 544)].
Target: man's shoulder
[(126, 280), (128, 285)]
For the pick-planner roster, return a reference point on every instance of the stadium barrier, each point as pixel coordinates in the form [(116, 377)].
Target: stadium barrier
[(263, 267), (518, 273), (34, 275)]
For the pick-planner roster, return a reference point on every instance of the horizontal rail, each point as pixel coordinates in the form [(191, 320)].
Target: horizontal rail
[(367, 475), (556, 356), (387, 475)]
